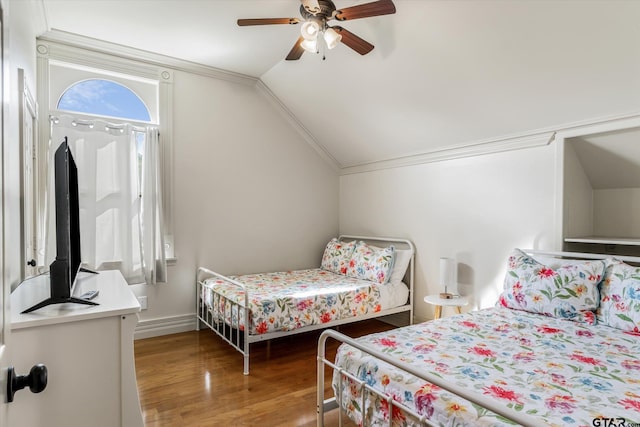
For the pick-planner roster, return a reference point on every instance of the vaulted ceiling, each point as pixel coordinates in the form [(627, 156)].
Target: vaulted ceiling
[(442, 74)]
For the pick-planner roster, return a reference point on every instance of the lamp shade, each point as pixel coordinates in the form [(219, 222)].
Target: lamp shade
[(332, 38), (310, 45), (310, 30), (448, 275)]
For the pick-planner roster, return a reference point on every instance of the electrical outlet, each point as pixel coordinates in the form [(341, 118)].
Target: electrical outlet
[(143, 302)]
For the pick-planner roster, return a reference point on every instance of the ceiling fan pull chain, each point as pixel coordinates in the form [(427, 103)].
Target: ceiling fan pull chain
[(322, 42)]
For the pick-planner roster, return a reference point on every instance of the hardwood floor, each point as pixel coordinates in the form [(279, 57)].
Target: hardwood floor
[(195, 379)]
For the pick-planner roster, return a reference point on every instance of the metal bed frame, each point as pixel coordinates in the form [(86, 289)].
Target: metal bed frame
[(241, 340), (325, 405)]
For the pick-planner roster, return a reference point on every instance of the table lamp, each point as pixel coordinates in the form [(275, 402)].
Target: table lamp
[(448, 278)]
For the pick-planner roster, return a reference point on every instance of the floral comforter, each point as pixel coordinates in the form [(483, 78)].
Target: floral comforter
[(563, 372), (284, 301)]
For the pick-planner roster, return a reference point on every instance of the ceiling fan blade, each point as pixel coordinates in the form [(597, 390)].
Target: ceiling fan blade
[(267, 21), (354, 42), (297, 50), (375, 8)]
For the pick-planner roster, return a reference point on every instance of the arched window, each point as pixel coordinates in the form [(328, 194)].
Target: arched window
[(104, 98), (92, 90), (109, 128)]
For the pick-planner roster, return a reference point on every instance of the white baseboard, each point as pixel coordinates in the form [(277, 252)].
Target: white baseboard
[(165, 326)]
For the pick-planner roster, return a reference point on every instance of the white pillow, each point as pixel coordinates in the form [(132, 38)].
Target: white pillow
[(403, 258)]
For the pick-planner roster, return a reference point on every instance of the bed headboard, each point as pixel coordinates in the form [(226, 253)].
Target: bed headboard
[(398, 243), (583, 255)]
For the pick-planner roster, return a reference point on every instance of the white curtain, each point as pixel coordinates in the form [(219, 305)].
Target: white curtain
[(154, 263), (114, 212)]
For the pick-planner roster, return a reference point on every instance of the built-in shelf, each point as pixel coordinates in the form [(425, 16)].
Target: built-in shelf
[(627, 241), (601, 192)]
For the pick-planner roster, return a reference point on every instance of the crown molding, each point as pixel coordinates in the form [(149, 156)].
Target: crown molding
[(297, 125), (605, 124), (456, 152), (536, 138), (72, 40)]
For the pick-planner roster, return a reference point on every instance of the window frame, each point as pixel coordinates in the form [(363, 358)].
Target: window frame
[(125, 71)]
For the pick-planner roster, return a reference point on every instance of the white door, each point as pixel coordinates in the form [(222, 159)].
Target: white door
[(29, 178), (5, 289)]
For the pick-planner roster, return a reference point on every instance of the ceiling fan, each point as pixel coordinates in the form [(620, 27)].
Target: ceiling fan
[(316, 14)]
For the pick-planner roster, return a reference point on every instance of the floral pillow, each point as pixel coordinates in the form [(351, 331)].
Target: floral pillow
[(337, 255), (620, 297), (371, 263), (569, 291), (401, 261)]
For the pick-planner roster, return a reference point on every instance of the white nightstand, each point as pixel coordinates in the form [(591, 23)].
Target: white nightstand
[(456, 302)]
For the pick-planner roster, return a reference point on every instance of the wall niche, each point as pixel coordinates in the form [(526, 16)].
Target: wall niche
[(601, 193)]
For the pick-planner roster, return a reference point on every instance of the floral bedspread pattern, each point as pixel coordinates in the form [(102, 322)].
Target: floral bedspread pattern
[(563, 372), (284, 301)]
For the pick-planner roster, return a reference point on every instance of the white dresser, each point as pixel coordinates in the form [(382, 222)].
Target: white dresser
[(88, 352)]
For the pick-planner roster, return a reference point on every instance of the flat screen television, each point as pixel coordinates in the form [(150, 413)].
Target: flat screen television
[(64, 269)]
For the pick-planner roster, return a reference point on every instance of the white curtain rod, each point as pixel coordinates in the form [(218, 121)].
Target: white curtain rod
[(136, 126)]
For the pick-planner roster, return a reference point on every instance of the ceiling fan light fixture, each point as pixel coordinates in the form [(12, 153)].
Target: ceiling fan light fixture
[(332, 38), (310, 45), (317, 35), (310, 30)]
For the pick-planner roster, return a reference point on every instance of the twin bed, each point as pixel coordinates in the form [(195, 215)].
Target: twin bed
[(561, 348), (359, 278)]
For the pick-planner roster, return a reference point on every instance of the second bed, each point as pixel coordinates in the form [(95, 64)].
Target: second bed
[(360, 278)]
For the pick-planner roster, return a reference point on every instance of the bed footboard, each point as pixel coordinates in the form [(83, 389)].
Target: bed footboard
[(324, 405), (227, 318)]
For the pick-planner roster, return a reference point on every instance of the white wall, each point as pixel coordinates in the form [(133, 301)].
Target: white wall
[(613, 212), (578, 196), (250, 194), (473, 209)]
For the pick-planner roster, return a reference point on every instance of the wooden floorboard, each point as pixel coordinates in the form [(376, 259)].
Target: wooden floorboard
[(195, 379)]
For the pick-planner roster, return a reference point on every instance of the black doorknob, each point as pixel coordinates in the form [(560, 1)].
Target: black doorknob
[(32, 263), (36, 380)]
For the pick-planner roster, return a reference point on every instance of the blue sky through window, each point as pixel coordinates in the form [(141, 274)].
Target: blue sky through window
[(104, 98)]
